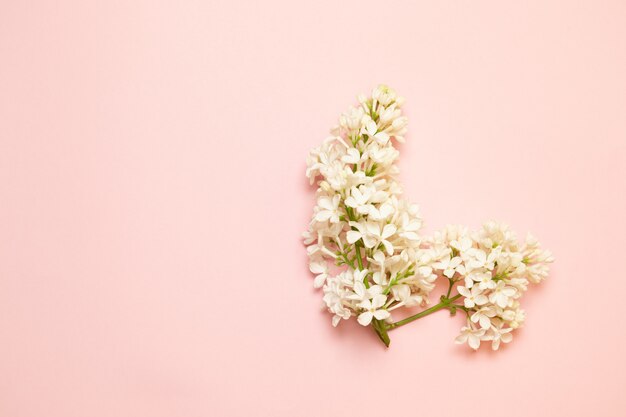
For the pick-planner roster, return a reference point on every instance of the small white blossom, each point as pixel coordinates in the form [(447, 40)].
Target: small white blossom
[(502, 294), (373, 310), (372, 234), (471, 336), (402, 293), (359, 199), (321, 269), (371, 130), (410, 226), (477, 258), (329, 209), (483, 316), (382, 213), (473, 297), (484, 279), (353, 156), (448, 266), (463, 244), (499, 334)]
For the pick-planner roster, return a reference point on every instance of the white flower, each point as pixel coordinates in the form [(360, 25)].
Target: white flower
[(471, 336), (384, 155), (335, 176), (502, 294), (500, 334), (398, 129), (372, 235), (333, 298), (363, 293), (382, 213), (473, 297), (484, 280), (354, 178), (538, 268), (359, 276), (402, 293), (359, 292), (462, 245), (384, 263), (373, 310), (483, 316), (389, 115), (384, 95), (329, 209), (359, 199), (410, 226), (319, 159), (350, 122), (448, 265), (371, 130), (477, 258), (353, 156), (321, 269), (515, 318)]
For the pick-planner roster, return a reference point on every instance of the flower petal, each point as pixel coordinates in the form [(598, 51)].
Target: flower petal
[(463, 291), (389, 230), (481, 299), (473, 341), (485, 323), (388, 247), (318, 267), (378, 301), (369, 241), (365, 318), (381, 314), (319, 280), (323, 215), (352, 236)]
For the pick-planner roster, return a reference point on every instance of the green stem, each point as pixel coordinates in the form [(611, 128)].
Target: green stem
[(445, 303), (380, 328), (450, 285), (358, 256), (357, 248)]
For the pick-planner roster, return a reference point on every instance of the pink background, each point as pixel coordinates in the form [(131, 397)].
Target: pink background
[(153, 193)]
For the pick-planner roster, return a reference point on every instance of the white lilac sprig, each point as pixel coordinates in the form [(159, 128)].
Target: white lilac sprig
[(367, 254)]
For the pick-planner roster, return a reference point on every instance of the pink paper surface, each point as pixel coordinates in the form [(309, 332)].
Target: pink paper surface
[(152, 189)]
